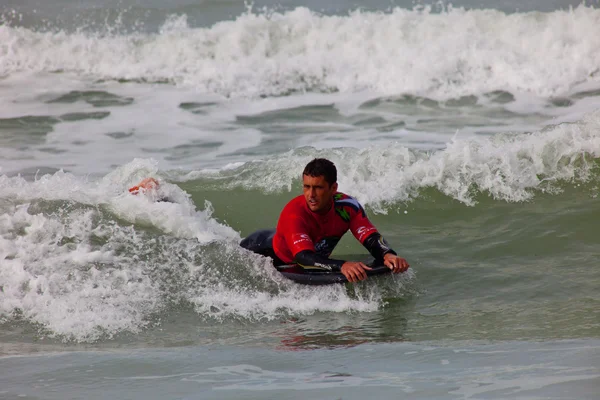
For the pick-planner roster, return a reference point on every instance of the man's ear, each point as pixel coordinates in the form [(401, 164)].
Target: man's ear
[(334, 187)]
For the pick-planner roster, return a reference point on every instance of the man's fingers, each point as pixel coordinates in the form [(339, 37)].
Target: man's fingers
[(355, 271), (365, 266), (349, 274), (363, 270), (353, 276), (404, 265), (358, 274), (396, 264), (391, 265), (361, 275)]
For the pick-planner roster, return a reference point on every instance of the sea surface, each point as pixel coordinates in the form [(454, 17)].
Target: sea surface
[(470, 132)]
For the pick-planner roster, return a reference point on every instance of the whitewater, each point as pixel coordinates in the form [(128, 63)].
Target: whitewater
[(469, 132)]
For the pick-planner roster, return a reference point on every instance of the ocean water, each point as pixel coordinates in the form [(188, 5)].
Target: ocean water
[(469, 131)]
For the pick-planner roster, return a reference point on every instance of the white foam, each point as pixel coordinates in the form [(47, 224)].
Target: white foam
[(508, 167), (326, 60), (67, 270), (226, 299), (70, 265), (52, 275), (443, 55), (179, 217)]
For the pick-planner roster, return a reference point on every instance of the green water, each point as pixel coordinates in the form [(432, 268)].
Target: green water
[(493, 271)]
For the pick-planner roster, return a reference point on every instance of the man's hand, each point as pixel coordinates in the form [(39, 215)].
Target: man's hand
[(395, 263), (355, 271)]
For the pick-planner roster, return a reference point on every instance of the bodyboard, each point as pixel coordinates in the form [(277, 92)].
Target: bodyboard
[(323, 277)]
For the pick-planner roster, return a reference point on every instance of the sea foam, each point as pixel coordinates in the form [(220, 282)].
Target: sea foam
[(507, 167), (86, 261), (443, 55)]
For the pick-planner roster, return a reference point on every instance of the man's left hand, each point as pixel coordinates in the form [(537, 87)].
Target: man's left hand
[(395, 263)]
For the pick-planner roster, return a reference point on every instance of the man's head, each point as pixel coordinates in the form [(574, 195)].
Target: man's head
[(319, 184)]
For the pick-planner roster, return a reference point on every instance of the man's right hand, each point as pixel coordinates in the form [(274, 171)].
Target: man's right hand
[(355, 271)]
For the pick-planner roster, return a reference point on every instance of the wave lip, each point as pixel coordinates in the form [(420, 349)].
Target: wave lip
[(507, 167)]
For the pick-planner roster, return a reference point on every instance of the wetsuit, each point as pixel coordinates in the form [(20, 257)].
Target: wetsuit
[(307, 238)]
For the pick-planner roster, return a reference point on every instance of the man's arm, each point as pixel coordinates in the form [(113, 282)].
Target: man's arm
[(354, 271), (312, 259), (379, 248), (367, 234)]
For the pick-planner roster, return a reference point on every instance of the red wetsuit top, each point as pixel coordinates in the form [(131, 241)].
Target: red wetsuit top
[(300, 229)]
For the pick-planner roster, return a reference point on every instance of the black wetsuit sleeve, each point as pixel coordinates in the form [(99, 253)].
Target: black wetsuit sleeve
[(311, 259), (377, 246)]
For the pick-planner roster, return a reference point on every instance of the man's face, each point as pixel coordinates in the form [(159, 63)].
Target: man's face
[(318, 193)]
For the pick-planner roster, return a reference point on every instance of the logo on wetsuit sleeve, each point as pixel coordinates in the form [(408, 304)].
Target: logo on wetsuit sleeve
[(302, 237), (364, 231), (384, 245)]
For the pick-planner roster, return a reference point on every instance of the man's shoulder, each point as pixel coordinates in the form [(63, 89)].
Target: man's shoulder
[(347, 207), (342, 199)]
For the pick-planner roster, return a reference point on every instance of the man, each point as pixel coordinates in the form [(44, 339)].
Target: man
[(311, 225)]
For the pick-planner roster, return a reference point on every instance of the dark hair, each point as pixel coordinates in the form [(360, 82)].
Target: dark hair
[(321, 167)]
